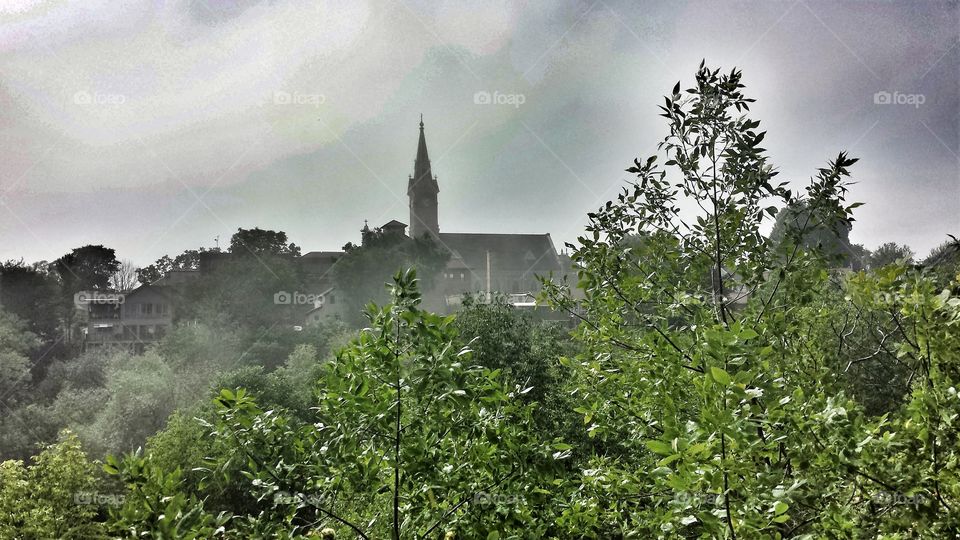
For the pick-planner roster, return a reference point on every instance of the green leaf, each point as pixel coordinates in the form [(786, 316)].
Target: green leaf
[(719, 375), (668, 460), (660, 447)]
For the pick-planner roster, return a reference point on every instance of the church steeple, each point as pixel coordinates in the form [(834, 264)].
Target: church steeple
[(422, 191)]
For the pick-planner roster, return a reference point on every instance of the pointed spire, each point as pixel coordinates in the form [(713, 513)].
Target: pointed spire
[(421, 167), (422, 190)]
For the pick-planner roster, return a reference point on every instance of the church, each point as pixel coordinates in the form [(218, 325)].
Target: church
[(479, 262), (484, 263), (505, 263)]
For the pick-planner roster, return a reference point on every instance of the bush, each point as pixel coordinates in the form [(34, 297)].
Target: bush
[(57, 496)]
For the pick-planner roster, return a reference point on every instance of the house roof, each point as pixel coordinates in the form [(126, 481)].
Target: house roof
[(322, 255), (456, 263), (159, 289), (176, 277), (533, 253)]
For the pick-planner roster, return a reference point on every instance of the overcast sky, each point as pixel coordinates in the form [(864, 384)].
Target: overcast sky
[(155, 127)]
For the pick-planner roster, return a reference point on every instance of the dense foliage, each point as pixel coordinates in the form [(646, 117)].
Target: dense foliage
[(725, 408), (407, 439), (720, 383)]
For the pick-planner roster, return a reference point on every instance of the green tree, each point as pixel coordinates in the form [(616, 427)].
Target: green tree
[(409, 440), (16, 344), (188, 260), (890, 253), (362, 272), (243, 285), (59, 495), (142, 392), (185, 441), (31, 293), (87, 267), (154, 508), (830, 239), (258, 242), (529, 354), (943, 262), (721, 419)]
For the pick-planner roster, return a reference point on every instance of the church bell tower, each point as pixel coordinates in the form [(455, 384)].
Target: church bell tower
[(422, 190)]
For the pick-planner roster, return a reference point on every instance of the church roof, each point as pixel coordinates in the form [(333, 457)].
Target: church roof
[(422, 176), (393, 224), (513, 252)]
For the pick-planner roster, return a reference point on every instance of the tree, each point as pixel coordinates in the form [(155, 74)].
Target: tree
[(244, 283), (727, 420), (408, 437), (142, 392), (16, 344), (87, 267), (125, 278), (890, 253), (58, 496), (31, 293), (361, 273), (257, 242), (150, 511), (188, 260), (832, 240), (244, 290), (529, 354), (943, 262)]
